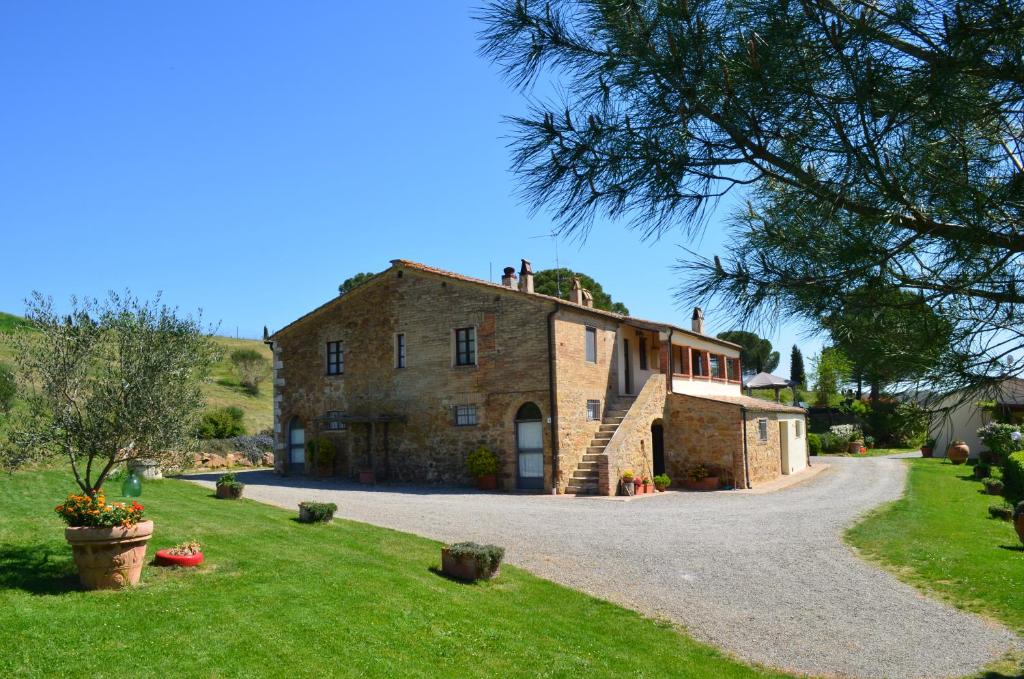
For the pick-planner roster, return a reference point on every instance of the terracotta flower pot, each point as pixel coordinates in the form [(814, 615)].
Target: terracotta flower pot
[(660, 487), (487, 482), (367, 476), (165, 558), (927, 451), (707, 483), (464, 567), (226, 492), (958, 453), (648, 488), (109, 558), (854, 447)]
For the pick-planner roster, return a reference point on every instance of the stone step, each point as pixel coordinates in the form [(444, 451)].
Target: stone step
[(608, 427), (581, 489), (596, 448), (611, 413), (613, 420), (603, 435), (592, 457), (587, 466)]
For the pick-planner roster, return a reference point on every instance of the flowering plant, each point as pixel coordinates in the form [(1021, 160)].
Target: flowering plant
[(698, 473), (94, 512)]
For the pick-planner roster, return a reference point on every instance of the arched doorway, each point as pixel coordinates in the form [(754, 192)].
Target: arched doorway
[(296, 446), (529, 448), (658, 446)]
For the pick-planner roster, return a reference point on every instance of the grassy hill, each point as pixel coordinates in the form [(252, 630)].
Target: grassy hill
[(221, 388)]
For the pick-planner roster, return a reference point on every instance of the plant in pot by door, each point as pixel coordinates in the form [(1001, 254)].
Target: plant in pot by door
[(229, 487), (317, 512), (482, 465), (700, 478), (469, 561), (184, 555), (321, 452), (928, 449), (958, 452), (661, 482), (108, 540), (114, 381), (628, 486)]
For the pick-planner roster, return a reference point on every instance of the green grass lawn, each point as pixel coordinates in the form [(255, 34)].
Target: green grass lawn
[(939, 537), (875, 452), (279, 598)]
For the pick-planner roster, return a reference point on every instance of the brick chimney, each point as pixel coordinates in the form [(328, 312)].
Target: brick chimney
[(588, 299), (698, 321), (576, 293), (509, 278), (526, 277)]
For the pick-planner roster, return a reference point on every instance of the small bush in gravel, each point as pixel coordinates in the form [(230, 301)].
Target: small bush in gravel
[(992, 486), (316, 512), (1003, 511)]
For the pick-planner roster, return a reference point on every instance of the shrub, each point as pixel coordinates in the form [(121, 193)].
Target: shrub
[(488, 557), (846, 432), (1013, 477), (321, 452), (482, 462), (813, 443), (830, 443), (899, 424), (1003, 511), (662, 481), (1018, 510), (982, 470), (698, 473), (1001, 439), (251, 368), (8, 388), (316, 512), (254, 447), (992, 486), (221, 423)]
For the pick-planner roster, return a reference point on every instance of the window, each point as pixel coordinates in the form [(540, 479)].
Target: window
[(335, 359), (465, 416), (799, 428), (732, 365), (334, 424), (593, 410), (592, 345), (643, 352), (762, 429), (682, 361), (400, 350), (716, 366), (698, 363), (465, 346)]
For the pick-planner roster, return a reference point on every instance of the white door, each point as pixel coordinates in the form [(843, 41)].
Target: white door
[(296, 447), (530, 444)]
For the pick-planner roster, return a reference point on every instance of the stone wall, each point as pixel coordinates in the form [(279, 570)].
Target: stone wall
[(702, 431), (763, 457), (630, 447), (511, 370)]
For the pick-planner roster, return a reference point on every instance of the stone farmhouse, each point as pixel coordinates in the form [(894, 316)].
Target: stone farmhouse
[(412, 370)]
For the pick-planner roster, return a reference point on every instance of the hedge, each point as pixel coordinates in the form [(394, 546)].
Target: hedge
[(1013, 477)]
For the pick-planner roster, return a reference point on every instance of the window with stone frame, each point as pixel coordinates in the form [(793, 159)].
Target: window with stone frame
[(593, 410), (335, 359), (400, 350), (464, 416), (465, 346), (762, 429), (591, 345)]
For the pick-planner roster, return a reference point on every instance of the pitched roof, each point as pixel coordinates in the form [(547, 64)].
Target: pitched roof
[(750, 403), (416, 266), (766, 380)]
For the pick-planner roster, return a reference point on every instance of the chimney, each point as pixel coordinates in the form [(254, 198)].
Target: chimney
[(508, 280), (576, 294), (588, 299), (526, 277), (698, 320)]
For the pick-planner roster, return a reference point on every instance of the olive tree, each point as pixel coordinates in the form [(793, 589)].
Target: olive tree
[(108, 382), (251, 367)]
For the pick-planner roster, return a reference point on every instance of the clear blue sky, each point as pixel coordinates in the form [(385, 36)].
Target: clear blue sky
[(245, 158)]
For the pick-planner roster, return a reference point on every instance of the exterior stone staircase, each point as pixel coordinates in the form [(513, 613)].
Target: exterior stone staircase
[(584, 481)]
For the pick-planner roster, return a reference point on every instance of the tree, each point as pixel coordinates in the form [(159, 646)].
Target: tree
[(251, 367), (8, 388), (889, 336), (558, 283), (797, 374), (831, 371), (870, 140), (756, 356), (353, 282), (109, 382)]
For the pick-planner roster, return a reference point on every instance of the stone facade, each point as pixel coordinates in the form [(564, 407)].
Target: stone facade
[(763, 456), (631, 448), (703, 431)]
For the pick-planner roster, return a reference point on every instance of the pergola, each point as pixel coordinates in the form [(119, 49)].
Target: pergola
[(371, 421), (767, 381)]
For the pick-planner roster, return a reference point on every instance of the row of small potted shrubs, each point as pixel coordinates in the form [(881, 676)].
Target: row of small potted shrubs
[(1001, 471), (642, 485)]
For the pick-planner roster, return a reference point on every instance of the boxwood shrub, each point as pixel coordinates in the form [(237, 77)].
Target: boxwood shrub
[(488, 557), (1013, 477), (316, 512)]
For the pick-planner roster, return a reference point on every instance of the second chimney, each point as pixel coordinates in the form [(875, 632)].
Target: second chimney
[(698, 320), (588, 299), (508, 280), (576, 293), (526, 277)]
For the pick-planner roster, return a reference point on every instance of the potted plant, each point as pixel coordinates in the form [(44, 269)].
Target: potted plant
[(316, 512), (648, 486), (958, 452), (661, 482), (1018, 520), (700, 478), (482, 465), (627, 482), (1003, 511), (108, 541), (469, 561), (186, 555), (856, 445), (229, 487), (982, 470), (928, 449), (992, 486), (115, 380), (321, 452)]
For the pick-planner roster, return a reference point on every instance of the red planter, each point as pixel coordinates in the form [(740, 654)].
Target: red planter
[(165, 558), (707, 483), (367, 476), (487, 482), (648, 488), (927, 451)]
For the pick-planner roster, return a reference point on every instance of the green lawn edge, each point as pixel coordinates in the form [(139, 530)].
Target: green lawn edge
[(281, 598)]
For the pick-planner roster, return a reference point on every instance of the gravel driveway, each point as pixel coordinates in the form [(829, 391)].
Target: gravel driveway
[(766, 577)]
